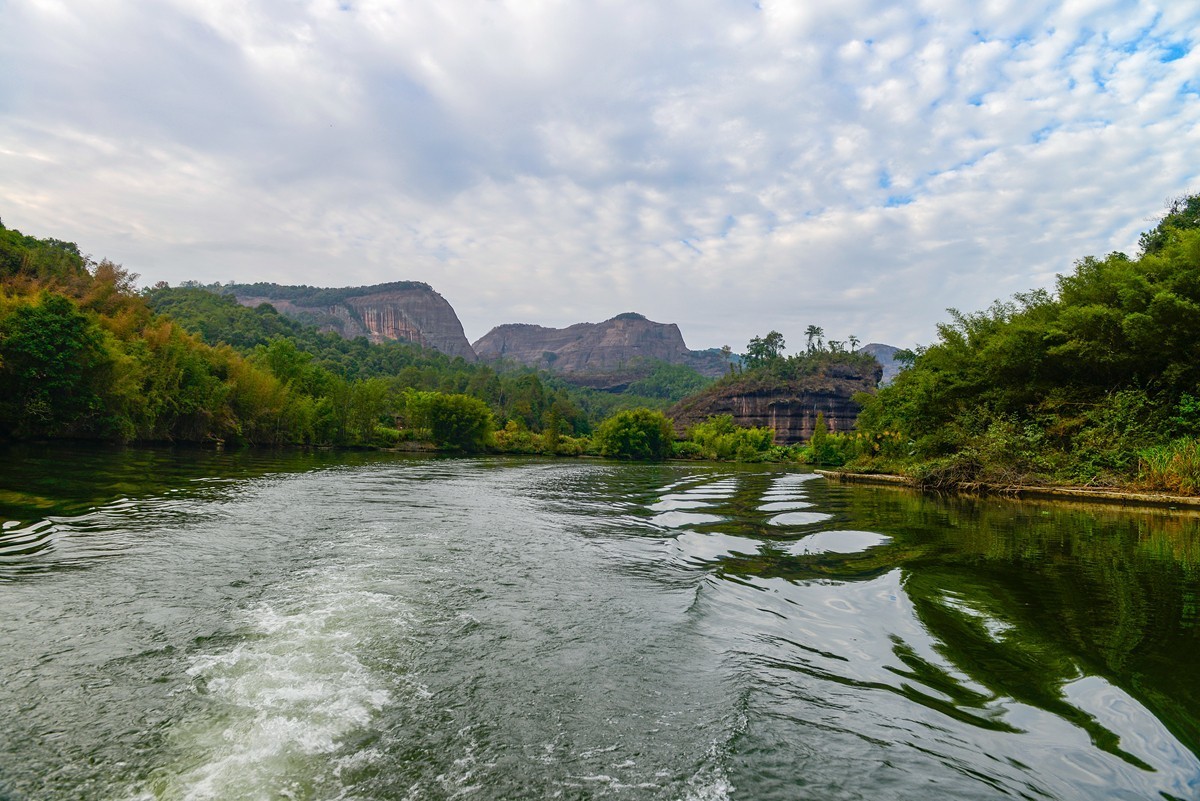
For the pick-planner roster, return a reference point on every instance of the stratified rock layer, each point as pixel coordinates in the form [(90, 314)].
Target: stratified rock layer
[(789, 407), (407, 311), (596, 347)]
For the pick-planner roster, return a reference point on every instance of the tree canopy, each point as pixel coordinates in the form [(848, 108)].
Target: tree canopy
[(1071, 384)]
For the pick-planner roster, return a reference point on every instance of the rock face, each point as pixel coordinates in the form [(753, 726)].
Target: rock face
[(885, 355), (407, 311), (596, 347), (789, 407)]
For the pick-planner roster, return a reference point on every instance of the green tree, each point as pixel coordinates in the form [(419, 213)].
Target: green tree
[(814, 335), (640, 434), (51, 357), (763, 350), (551, 433), (453, 421), (1183, 214), (818, 443)]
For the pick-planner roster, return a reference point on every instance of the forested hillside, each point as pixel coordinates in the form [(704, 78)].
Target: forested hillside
[(1097, 382), (83, 354)]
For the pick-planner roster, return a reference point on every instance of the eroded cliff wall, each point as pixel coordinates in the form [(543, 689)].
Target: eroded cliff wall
[(407, 311), (789, 407)]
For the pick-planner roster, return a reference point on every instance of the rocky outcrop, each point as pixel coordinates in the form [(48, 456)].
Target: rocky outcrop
[(790, 407), (596, 347), (885, 355), (407, 311)]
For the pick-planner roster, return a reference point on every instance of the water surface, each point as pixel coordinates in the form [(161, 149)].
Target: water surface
[(189, 625)]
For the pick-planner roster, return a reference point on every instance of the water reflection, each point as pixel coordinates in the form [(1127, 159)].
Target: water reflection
[(1002, 616), (64, 506)]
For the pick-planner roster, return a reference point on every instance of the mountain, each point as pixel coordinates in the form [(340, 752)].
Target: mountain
[(885, 355), (408, 311), (788, 405), (597, 347)]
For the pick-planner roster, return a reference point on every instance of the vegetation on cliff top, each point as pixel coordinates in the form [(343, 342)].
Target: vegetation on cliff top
[(830, 367), (304, 295), (1095, 383)]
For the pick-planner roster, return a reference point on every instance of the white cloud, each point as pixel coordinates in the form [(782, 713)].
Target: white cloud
[(728, 166)]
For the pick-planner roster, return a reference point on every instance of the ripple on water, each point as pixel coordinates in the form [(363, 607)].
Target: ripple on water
[(699, 548), (794, 479), (837, 542), (798, 518), (19, 543), (780, 506), (684, 519), (672, 502)]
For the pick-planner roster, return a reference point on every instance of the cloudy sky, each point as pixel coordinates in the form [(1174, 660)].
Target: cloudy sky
[(729, 166)]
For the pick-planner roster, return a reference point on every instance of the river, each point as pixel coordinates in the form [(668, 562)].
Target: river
[(195, 625)]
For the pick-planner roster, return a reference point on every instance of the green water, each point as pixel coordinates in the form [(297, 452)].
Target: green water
[(195, 625)]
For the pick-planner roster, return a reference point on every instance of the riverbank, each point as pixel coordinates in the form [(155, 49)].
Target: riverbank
[(1118, 497)]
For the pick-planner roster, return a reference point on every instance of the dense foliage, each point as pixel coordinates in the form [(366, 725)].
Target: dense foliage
[(765, 363), (519, 394), (314, 295), (452, 421), (1096, 382), (720, 438), (635, 434), (83, 354)]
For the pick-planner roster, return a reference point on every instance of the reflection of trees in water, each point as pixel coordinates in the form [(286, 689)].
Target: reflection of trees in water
[(68, 479), (1024, 598)]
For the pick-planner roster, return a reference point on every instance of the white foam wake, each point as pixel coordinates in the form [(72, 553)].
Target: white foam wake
[(273, 709)]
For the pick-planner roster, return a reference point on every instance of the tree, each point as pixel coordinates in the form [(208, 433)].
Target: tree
[(551, 433), (853, 343), (51, 356), (640, 434), (454, 421), (762, 350), (814, 334), (1183, 214)]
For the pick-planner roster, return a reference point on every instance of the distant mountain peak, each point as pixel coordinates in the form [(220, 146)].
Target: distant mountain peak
[(596, 347)]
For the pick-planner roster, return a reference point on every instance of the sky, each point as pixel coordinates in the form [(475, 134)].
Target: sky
[(733, 167)]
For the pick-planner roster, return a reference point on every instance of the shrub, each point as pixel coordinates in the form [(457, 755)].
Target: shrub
[(1174, 467), (641, 434), (719, 437), (686, 449)]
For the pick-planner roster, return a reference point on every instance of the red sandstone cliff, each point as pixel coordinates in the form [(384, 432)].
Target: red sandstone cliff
[(789, 407)]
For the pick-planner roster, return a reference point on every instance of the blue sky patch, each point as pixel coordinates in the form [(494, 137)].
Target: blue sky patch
[(1174, 52)]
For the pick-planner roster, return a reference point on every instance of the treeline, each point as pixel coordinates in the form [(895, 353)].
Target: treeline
[(84, 354), (765, 360), (1097, 382)]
